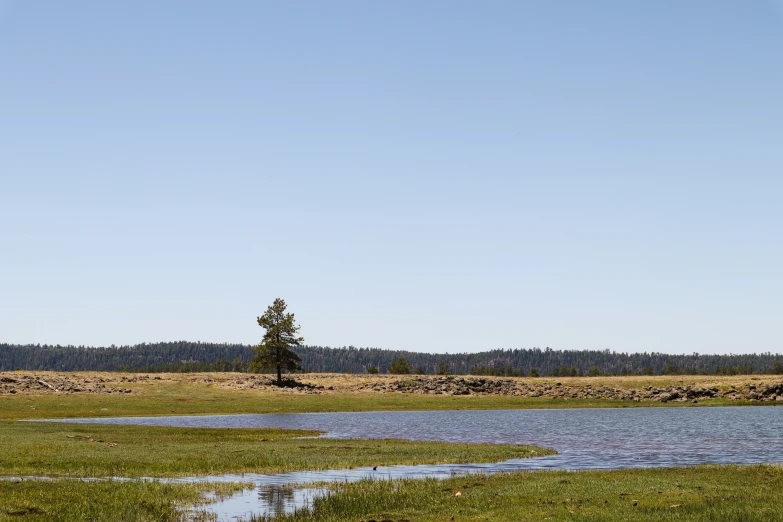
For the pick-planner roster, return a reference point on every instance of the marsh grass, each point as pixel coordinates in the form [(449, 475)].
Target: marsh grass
[(709, 493), (72, 500), (132, 451)]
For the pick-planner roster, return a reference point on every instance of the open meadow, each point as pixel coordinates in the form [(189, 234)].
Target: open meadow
[(104, 394), (69, 451)]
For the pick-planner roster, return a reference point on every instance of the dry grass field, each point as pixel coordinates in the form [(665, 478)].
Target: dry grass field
[(334, 383), (103, 394), (351, 382)]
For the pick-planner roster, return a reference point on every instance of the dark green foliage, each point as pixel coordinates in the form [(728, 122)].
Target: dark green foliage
[(777, 368), (276, 348), (671, 369), (569, 371), (400, 367), (419, 370), (593, 371), (443, 368), (178, 355), (188, 356), (372, 369), (534, 372), (505, 370), (482, 369), (220, 365), (738, 370)]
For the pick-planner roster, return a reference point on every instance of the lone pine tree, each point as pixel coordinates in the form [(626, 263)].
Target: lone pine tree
[(276, 348)]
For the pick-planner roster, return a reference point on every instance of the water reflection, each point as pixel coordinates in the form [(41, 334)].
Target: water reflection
[(263, 500)]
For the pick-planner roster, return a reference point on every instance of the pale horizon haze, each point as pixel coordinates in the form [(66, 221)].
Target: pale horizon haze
[(442, 176)]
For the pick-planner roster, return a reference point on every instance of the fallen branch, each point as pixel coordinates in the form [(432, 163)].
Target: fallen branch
[(47, 385)]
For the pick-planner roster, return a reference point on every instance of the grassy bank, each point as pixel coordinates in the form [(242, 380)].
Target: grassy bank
[(196, 394), (131, 451), (178, 400), (709, 493), (74, 501)]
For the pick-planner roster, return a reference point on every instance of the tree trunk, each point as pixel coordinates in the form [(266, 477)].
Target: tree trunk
[(279, 375)]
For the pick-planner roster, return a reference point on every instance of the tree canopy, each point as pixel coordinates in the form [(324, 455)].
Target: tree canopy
[(276, 348), (400, 367), (188, 356)]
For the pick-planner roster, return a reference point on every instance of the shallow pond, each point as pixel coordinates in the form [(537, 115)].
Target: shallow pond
[(605, 438), (584, 438)]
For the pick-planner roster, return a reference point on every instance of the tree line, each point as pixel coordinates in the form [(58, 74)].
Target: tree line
[(183, 356)]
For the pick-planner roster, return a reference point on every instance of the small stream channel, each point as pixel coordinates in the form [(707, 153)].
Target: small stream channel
[(602, 438)]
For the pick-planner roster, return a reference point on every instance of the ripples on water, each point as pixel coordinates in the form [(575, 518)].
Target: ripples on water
[(584, 438)]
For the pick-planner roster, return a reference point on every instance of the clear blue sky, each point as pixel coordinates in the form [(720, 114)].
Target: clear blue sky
[(433, 176)]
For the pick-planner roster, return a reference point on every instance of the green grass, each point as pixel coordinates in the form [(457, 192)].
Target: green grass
[(53, 449), (179, 398), (75, 501), (709, 493)]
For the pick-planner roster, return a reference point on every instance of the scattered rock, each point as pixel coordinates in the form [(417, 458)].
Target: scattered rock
[(457, 385), (59, 383)]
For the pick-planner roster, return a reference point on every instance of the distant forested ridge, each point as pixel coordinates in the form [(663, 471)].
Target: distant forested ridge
[(196, 356)]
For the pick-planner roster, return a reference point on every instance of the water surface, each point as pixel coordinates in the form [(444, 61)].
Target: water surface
[(606, 438), (601, 438)]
